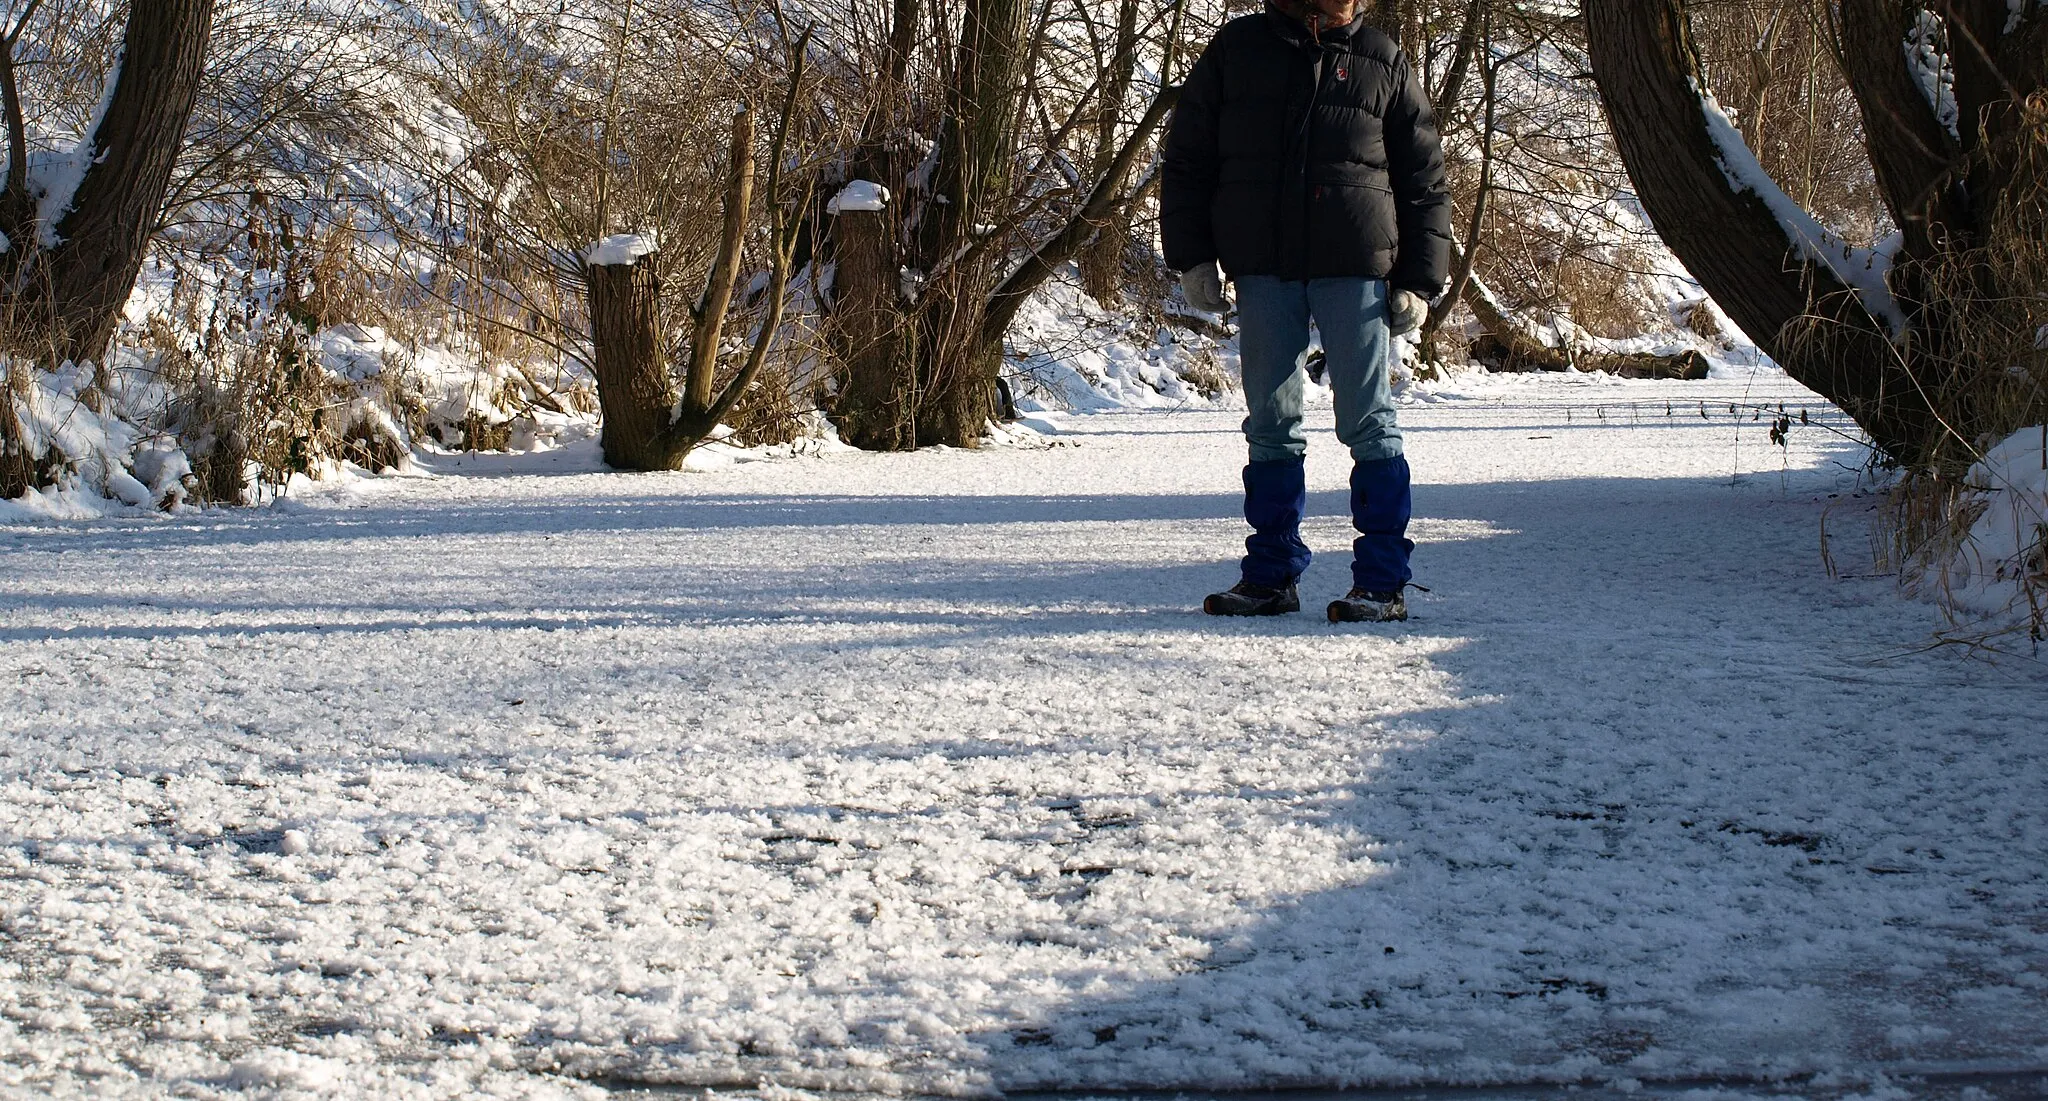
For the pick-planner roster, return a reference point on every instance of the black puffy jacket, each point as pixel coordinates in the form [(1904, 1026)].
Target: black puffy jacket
[(1306, 158)]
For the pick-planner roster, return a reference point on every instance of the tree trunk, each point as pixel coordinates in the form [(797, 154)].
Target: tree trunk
[(739, 200), (876, 407), (964, 395), (1730, 240), (1999, 79), (1445, 101), (975, 142), (902, 38), (20, 471), (977, 145), (1102, 263), (918, 326), (1515, 355), (89, 275), (1478, 31), (915, 372), (1913, 155), (634, 388), (1505, 344)]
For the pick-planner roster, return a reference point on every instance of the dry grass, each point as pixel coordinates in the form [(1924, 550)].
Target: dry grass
[(766, 414), (19, 470), (248, 400), (1921, 526), (1602, 296), (1919, 536), (23, 344), (1979, 358), (1205, 375), (1700, 321), (1540, 264), (251, 409), (1984, 366)]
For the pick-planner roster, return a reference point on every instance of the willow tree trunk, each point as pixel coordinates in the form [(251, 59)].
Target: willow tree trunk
[(1102, 263), (876, 406), (20, 469), (1971, 202), (74, 291), (635, 389), (911, 288), (970, 182), (1911, 152)]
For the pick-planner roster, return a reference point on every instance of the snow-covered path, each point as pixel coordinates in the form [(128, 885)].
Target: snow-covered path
[(920, 773)]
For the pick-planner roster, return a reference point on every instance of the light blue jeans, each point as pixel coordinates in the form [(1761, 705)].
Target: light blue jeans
[(1273, 317)]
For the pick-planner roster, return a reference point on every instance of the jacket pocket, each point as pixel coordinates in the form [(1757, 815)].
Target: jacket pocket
[(1352, 228), (1352, 174)]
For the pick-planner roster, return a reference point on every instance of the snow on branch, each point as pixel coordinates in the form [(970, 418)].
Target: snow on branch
[(1927, 58), (55, 179), (1861, 269)]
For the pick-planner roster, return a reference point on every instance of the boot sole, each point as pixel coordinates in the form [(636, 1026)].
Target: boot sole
[(1213, 606), (1342, 612)]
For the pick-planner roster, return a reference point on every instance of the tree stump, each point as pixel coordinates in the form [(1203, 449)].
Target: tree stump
[(875, 336), (634, 388)]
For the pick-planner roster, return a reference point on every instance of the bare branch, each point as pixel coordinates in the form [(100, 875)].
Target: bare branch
[(1064, 245), (784, 235), (739, 198)]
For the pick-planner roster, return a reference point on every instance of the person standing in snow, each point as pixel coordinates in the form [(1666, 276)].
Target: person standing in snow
[(1304, 165)]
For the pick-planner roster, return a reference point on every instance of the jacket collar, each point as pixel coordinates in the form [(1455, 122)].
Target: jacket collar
[(1290, 19)]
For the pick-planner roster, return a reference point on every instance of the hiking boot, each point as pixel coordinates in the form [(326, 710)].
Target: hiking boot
[(1245, 598), (1360, 606)]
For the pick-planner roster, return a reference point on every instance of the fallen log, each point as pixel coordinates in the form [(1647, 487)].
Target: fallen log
[(1519, 356), (1505, 344)]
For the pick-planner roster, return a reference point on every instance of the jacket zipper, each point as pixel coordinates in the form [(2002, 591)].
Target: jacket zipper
[(1315, 95), (1310, 194)]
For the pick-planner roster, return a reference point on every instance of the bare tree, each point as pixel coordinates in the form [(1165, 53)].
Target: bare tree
[(1102, 263), (925, 290), (649, 423), (918, 373), (77, 247), (576, 132)]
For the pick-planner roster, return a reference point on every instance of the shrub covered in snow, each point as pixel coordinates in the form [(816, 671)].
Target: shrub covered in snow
[(68, 446), (179, 419), (2000, 568)]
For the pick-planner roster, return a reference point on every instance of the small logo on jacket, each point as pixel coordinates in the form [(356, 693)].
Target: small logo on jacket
[(1343, 73)]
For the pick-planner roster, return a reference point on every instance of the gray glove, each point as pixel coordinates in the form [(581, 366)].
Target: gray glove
[(1202, 285), (1406, 311)]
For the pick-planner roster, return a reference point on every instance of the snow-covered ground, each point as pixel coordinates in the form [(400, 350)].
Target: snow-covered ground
[(921, 773)]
